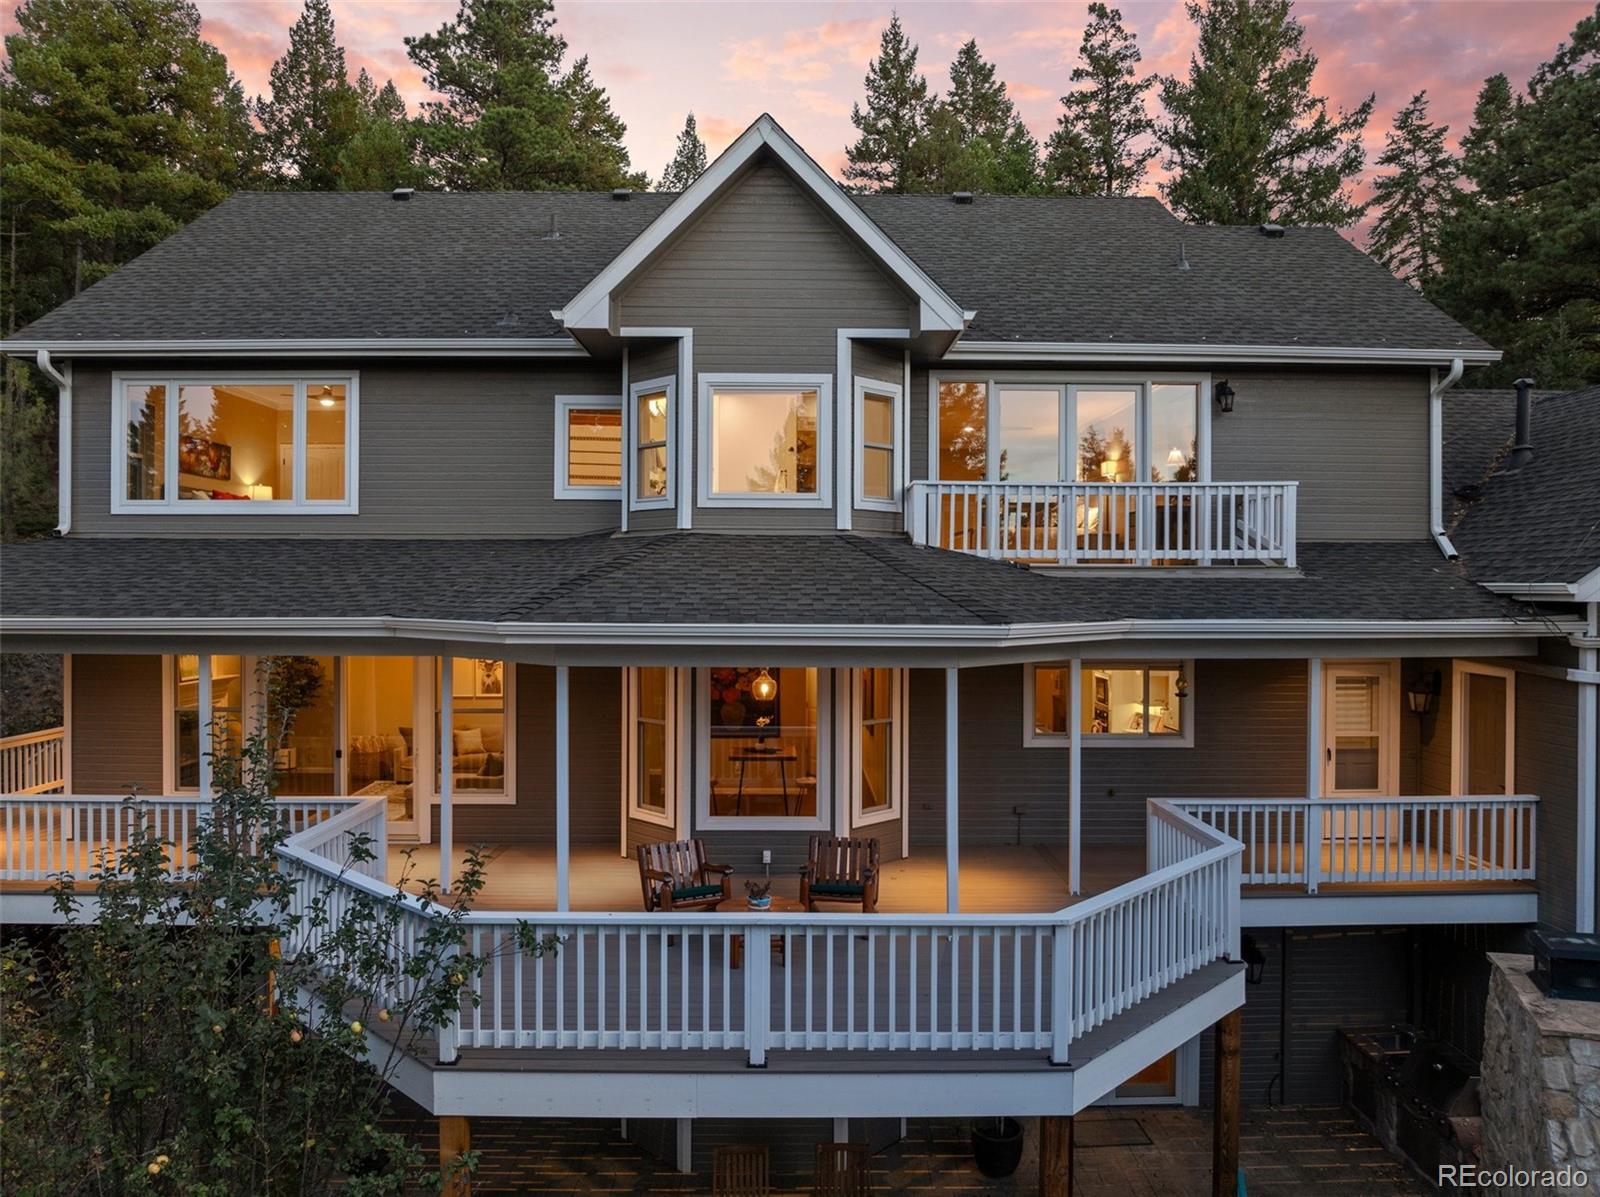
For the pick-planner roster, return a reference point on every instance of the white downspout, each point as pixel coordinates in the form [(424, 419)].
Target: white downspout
[(1588, 768), (63, 380), (1436, 457)]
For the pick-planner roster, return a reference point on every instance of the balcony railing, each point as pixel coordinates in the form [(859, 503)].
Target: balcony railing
[(1130, 523), (32, 763), (1308, 843)]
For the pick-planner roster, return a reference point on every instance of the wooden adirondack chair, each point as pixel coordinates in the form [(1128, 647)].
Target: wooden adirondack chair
[(840, 870), (675, 876), (843, 1170), (740, 1171)]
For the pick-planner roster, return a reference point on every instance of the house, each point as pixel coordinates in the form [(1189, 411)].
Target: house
[(1093, 564)]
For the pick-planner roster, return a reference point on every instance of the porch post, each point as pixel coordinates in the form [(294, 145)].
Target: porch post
[(1313, 833), (1075, 781), (563, 804), (952, 818), (447, 768), (203, 716), (455, 1140), (1055, 1155), (1225, 1127)]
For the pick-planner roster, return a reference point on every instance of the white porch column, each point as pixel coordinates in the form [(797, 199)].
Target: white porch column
[(203, 717), (447, 768), (1314, 727), (952, 816), (563, 803), (1075, 782)]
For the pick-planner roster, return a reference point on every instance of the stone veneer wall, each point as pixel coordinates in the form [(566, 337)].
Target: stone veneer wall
[(1541, 1080)]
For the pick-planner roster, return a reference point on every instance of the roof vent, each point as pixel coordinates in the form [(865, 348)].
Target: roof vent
[(1271, 230), (553, 233), (621, 194), (1183, 257), (1522, 438), (401, 194), (961, 197)]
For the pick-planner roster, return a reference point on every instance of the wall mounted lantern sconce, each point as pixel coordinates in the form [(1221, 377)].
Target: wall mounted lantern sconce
[(1223, 393)]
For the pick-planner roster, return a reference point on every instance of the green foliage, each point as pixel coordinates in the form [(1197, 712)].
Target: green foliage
[(1101, 143), (1246, 140), (167, 1047), (30, 692), (509, 118), (1415, 197), (383, 153), (886, 157), (313, 112), (976, 141), (1520, 252), (688, 163)]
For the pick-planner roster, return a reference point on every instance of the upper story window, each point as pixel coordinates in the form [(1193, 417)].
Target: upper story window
[(877, 445), (588, 447), (764, 440), (1069, 431), (651, 434), (234, 444)]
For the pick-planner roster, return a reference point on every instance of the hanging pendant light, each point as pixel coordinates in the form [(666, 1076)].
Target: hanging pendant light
[(764, 688)]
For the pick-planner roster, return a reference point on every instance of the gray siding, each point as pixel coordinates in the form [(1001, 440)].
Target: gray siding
[(446, 449), (766, 280), (116, 716), (1547, 756)]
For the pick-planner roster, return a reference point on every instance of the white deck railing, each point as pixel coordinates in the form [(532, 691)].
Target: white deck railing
[(751, 983), (1308, 843), (32, 763), (1140, 523)]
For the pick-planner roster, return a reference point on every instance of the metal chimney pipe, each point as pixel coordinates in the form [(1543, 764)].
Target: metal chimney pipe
[(1522, 441)]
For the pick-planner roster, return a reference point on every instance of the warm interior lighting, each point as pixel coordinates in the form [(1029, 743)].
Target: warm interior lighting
[(764, 688), (657, 405), (326, 398), (1108, 470), (968, 429), (259, 492), (1175, 458)]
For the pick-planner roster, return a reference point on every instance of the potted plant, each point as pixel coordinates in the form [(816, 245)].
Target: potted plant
[(758, 894), (996, 1146)]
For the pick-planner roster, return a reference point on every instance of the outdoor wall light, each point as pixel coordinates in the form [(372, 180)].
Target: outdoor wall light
[(1255, 960), (1223, 393), (1180, 685), (1422, 691)]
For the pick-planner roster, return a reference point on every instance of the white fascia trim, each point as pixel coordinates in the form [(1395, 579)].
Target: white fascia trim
[(764, 635), (1585, 590), (284, 347), (590, 308), (1114, 351)]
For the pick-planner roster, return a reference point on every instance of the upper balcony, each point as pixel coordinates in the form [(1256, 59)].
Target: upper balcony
[(1108, 523)]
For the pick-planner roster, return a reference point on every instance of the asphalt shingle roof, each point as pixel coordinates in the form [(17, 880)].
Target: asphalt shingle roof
[(1542, 523), (483, 265), (696, 577)]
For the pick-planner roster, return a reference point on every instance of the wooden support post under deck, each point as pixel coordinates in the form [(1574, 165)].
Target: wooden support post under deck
[(447, 768), (563, 792), (1055, 1155), (455, 1140), (1225, 1129), (952, 818)]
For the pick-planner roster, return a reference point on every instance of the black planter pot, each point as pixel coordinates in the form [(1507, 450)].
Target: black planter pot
[(996, 1146)]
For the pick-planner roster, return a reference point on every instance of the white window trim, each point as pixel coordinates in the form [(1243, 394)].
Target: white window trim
[(171, 504), (633, 808), (1032, 738), (706, 821), (823, 385), (565, 405), (1458, 722), (630, 422), (893, 392), (460, 797), (1068, 383), (860, 817)]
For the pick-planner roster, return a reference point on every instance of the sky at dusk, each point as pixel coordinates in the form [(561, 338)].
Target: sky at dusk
[(804, 63)]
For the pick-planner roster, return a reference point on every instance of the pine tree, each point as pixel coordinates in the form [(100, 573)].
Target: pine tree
[(1415, 199), (1246, 139), (313, 112), (1097, 146), (974, 140), (383, 153), (508, 117), (689, 163), (884, 157)]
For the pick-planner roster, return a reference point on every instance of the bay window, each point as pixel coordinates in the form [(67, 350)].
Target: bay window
[(764, 440), (877, 445), (652, 415), (234, 444), (1132, 704)]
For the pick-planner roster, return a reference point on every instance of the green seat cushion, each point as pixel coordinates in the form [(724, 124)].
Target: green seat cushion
[(841, 889), (695, 891)]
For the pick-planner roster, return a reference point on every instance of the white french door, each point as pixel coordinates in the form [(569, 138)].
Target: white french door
[(1360, 733)]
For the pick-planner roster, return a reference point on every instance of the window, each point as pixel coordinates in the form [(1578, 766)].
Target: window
[(1120, 704), (480, 749), (226, 716), (963, 423), (651, 750), (381, 734), (879, 765), (877, 457), (760, 744), (764, 440), (652, 443), (235, 445), (302, 700), (588, 448)]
